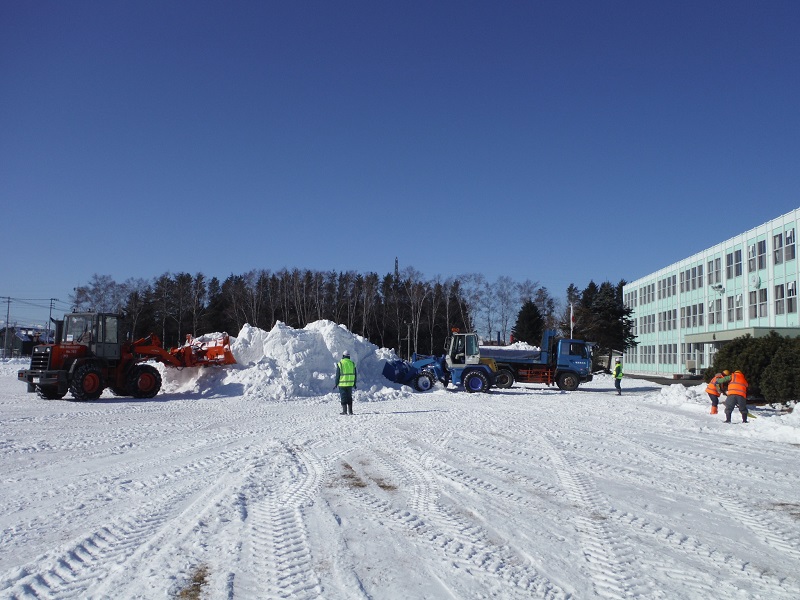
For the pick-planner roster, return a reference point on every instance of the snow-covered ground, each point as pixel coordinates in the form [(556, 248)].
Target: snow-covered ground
[(249, 481)]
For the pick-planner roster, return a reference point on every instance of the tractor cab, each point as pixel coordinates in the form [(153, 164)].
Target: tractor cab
[(99, 332), (462, 349)]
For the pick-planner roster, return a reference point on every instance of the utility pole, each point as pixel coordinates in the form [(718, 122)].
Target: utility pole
[(50, 320), (5, 338)]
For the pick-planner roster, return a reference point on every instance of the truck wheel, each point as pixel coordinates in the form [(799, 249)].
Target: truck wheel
[(423, 382), (144, 381), (49, 392), (476, 381), (87, 383), (504, 379), (568, 382)]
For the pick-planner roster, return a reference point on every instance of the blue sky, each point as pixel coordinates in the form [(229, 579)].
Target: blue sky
[(553, 141)]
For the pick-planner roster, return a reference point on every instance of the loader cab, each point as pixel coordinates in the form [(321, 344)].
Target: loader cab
[(99, 332), (462, 349)]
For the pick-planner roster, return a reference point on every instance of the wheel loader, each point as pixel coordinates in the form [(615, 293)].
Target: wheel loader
[(88, 357)]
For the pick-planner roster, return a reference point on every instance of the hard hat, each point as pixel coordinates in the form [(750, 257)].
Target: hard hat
[(617, 360), (345, 354), (726, 372)]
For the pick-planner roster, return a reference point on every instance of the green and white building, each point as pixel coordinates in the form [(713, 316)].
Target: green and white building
[(685, 312)]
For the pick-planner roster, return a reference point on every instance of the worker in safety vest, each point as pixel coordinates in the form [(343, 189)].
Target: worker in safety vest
[(346, 382), (714, 391), (737, 394), (617, 373)]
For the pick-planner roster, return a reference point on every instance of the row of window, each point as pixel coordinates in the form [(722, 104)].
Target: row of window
[(784, 249), (693, 316), (667, 354)]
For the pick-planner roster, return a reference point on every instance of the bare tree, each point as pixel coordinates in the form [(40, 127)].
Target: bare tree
[(102, 294), (507, 306), (416, 290)]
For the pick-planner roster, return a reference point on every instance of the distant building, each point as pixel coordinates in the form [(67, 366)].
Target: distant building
[(19, 341), (685, 312)]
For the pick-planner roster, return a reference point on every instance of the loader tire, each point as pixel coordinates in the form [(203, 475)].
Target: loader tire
[(504, 379), (568, 382), (87, 383), (423, 382), (476, 381), (49, 392), (144, 381)]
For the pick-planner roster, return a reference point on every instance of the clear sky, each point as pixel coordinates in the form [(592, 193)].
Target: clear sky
[(553, 141)]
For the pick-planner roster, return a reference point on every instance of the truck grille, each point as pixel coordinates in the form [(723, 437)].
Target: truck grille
[(40, 359)]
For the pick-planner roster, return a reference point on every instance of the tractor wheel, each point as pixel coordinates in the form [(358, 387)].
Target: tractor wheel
[(423, 382), (49, 392), (504, 379), (87, 383), (568, 382), (476, 381), (144, 381)]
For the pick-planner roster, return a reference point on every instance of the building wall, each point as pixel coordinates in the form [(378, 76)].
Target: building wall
[(686, 311)]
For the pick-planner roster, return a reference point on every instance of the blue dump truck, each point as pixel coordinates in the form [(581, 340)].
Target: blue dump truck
[(561, 361), (564, 362)]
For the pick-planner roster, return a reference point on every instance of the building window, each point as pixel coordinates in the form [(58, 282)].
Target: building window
[(735, 312), (780, 301), (762, 254), (737, 263), (762, 302), (753, 312), (777, 248), (739, 307), (729, 266), (789, 247), (751, 258), (791, 297)]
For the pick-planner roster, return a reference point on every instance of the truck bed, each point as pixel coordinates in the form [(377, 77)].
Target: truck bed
[(501, 354)]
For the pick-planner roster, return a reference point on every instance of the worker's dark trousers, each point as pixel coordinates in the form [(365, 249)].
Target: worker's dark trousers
[(731, 402), (346, 398), (714, 400)]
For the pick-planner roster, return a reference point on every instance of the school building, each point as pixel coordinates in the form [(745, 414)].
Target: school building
[(685, 312)]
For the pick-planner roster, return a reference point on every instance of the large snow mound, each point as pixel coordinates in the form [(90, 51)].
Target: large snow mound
[(287, 363)]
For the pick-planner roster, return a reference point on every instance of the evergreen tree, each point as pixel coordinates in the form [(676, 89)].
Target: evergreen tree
[(529, 325)]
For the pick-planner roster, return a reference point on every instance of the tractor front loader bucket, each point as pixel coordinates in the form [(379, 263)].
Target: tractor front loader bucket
[(205, 351), (397, 371)]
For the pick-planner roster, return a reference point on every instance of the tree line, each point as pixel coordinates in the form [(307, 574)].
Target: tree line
[(400, 310)]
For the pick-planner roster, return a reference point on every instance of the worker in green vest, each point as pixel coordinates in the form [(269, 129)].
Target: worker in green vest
[(346, 382), (617, 374)]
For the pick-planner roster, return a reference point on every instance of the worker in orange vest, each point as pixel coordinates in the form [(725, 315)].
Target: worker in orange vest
[(737, 394), (713, 391)]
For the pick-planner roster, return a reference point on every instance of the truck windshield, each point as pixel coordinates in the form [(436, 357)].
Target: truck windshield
[(79, 328)]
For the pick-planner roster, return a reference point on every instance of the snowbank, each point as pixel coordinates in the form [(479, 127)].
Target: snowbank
[(287, 363), (770, 422)]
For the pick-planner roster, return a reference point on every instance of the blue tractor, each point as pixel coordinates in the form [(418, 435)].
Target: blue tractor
[(462, 365)]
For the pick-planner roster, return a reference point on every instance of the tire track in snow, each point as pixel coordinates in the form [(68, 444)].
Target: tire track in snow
[(607, 554), (461, 541), (75, 570), (783, 537), (275, 558)]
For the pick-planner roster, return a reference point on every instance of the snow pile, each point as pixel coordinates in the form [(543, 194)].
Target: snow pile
[(517, 346), (287, 363)]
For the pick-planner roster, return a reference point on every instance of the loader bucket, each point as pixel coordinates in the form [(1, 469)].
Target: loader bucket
[(205, 351), (397, 371)]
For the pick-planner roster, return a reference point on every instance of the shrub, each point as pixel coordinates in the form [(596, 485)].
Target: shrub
[(755, 358)]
